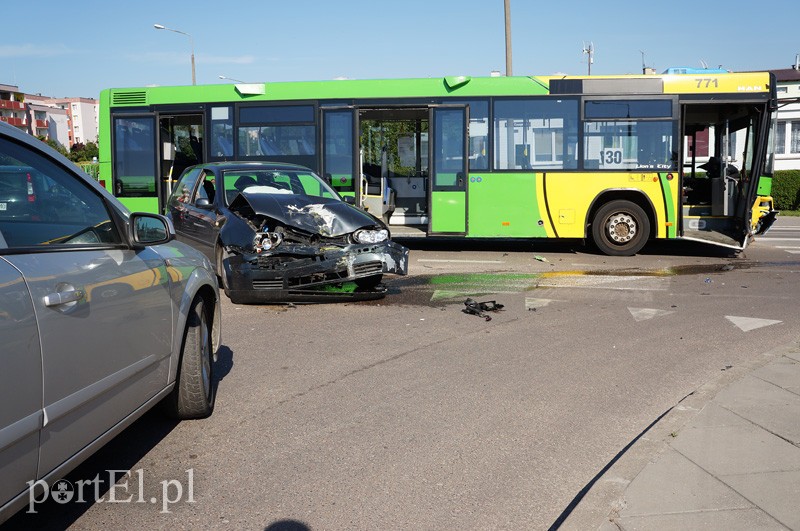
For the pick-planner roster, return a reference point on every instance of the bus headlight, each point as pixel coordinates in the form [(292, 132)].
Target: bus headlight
[(371, 236), (266, 241)]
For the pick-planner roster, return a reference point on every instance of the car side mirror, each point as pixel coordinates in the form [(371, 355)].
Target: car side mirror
[(203, 203), (150, 229), (349, 199)]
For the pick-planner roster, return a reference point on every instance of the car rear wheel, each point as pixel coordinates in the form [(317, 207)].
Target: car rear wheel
[(194, 393)]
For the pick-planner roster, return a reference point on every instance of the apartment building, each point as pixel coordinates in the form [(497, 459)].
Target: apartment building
[(787, 132), (13, 110), (68, 121), (82, 116)]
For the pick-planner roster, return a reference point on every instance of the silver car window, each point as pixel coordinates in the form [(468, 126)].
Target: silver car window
[(45, 204)]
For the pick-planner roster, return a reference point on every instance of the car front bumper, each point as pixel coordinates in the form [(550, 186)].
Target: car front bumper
[(300, 273)]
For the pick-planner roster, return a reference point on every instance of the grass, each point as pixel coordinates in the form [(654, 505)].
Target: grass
[(792, 213)]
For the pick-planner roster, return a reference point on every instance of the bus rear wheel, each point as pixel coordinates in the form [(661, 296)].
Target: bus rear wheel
[(620, 228)]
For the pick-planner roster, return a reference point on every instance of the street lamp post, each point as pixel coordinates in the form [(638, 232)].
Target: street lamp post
[(507, 6), (231, 79), (191, 43)]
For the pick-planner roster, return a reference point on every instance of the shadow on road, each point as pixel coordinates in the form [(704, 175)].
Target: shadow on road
[(123, 452), (562, 246)]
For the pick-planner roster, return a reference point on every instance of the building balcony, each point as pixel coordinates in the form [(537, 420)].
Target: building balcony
[(11, 120), (11, 104), (42, 124)]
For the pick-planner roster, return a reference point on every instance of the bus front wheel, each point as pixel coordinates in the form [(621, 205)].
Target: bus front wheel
[(620, 228)]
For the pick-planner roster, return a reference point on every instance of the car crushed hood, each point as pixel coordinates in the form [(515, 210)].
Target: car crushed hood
[(316, 215)]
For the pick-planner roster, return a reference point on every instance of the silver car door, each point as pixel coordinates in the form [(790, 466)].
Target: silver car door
[(20, 385), (104, 311)]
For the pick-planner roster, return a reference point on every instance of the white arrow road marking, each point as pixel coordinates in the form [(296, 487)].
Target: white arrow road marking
[(538, 303), (750, 323), (643, 314)]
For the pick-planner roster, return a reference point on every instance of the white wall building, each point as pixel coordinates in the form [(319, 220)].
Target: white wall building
[(787, 133), (82, 113)]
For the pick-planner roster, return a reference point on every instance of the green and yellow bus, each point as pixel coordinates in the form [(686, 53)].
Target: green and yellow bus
[(619, 160)]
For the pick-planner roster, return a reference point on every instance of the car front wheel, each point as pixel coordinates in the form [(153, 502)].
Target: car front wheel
[(194, 393)]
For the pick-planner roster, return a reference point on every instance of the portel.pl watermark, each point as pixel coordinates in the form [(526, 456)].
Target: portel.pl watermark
[(124, 486)]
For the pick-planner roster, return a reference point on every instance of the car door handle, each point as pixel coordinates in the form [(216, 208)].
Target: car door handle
[(63, 297)]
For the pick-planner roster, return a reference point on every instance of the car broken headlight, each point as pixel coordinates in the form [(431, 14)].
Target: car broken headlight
[(371, 236), (266, 241)]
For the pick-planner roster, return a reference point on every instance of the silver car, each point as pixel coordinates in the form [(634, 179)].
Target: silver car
[(102, 316)]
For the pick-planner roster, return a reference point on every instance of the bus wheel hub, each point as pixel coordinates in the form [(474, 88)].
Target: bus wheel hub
[(621, 228)]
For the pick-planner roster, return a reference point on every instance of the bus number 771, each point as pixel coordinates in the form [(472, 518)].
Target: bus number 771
[(709, 82)]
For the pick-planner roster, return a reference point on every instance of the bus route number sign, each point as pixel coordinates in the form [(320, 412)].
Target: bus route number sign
[(611, 158)]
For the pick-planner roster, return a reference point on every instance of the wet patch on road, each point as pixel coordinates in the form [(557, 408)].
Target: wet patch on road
[(447, 288)]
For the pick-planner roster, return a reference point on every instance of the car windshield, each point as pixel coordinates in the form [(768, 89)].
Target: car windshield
[(261, 181)]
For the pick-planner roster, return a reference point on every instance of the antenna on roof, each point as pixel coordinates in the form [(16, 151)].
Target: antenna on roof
[(646, 69), (704, 64), (589, 50)]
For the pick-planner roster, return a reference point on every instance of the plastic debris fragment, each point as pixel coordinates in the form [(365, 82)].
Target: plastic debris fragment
[(478, 308)]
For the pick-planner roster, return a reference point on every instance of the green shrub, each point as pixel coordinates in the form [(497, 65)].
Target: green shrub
[(786, 189)]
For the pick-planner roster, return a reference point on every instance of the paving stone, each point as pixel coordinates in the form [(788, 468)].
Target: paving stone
[(783, 372), (726, 450), (675, 484), (777, 493), (730, 520), (712, 416), (763, 403)]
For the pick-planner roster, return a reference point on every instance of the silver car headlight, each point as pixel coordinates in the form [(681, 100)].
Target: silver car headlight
[(266, 241), (371, 236)]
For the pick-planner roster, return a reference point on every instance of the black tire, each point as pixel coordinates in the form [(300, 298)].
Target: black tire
[(223, 277), (194, 393), (369, 282), (620, 228)]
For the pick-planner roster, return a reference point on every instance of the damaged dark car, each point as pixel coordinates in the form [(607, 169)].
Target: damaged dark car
[(279, 233)]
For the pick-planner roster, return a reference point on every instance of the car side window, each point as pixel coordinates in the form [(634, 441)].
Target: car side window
[(183, 190), (45, 204), (206, 188)]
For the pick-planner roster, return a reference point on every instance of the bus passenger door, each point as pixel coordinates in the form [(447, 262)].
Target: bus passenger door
[(180, 145), (339, 160), (448, 163)]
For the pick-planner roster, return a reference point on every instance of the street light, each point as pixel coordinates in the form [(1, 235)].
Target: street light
[(507, 9), (232, 79), (191, 42)]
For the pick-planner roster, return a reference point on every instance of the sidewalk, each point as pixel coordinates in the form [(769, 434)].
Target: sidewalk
[(733, 465)]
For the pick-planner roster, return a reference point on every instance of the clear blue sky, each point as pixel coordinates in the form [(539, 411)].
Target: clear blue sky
[(91, 45)]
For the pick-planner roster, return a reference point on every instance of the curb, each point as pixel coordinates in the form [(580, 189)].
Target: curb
[(598, 506)]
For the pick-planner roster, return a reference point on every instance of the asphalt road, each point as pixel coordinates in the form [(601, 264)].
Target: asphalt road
[(409, 413)]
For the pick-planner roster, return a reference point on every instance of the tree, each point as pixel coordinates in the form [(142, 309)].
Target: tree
[(55, 144), (83, 152)]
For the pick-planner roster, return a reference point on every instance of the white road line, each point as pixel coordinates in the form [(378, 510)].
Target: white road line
[(643, 314), (785, 247), (610, 282), (793, 252), (434, 260), (768, 239), (532, 304)]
